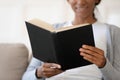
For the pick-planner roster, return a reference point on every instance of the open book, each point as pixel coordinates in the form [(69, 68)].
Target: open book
[(59, 46)]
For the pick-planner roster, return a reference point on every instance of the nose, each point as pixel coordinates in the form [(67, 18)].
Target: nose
[(81, 2)]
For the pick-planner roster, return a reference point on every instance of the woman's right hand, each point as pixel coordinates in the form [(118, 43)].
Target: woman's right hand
[(48, 70)]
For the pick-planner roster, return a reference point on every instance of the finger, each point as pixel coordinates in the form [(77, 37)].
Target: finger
[(48, 74), (51, 65), (51, 71), (100, 61), (93, 49), (88, 57), (90, 60), (92, 53)]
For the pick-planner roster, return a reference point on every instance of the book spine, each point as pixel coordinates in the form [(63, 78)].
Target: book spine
[(56, 47), (53, 48)]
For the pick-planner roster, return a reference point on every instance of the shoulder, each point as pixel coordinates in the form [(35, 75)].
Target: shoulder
[(113, 28), (114, 32)]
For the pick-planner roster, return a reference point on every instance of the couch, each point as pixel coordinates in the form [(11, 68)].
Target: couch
[(13, 60)]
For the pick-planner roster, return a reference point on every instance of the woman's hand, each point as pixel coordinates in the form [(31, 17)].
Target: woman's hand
[(48, 70), (93, 55)]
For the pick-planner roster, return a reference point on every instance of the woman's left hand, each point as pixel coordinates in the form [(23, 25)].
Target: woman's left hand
[(93, 55)]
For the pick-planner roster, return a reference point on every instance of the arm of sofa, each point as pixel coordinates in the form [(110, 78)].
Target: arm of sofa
[(13, 61)]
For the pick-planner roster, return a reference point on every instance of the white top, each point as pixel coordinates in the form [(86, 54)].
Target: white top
[(111, 70)]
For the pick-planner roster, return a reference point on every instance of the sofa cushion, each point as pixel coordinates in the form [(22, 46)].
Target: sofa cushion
[(13, 61)]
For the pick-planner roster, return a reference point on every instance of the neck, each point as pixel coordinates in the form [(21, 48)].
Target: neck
[(79, 20)]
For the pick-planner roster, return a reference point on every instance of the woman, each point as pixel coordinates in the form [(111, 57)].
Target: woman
[(105, 57)]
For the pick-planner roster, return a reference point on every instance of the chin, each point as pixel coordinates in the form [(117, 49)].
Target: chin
[(81, 14)]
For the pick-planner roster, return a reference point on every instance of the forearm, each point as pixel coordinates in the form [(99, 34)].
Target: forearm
[(30, 73)]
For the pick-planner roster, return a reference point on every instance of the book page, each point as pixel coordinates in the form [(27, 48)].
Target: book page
[(42, 24), (49, 27)]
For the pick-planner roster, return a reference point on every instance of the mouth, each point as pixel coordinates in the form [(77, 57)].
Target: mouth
[(80, 9)]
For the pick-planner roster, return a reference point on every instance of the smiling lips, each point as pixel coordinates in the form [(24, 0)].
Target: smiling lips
[(79, 9)]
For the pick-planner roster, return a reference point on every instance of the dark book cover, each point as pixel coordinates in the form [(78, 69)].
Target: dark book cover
[(60, 47)]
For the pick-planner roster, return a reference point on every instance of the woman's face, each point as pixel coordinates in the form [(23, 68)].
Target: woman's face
[(83, 8)]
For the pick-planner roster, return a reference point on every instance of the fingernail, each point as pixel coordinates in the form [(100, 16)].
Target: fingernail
[(83, 45), (59, 66), (81, 49)]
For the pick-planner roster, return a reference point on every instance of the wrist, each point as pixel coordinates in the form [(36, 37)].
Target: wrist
[(36, 74)]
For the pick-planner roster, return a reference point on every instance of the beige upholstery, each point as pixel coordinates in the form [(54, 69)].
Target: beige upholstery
[(13, 61)]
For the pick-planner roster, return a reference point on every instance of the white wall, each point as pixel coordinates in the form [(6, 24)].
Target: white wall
[(13, 13), (110, 12), (49, 10), (11, 21), (12, 27)]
